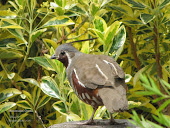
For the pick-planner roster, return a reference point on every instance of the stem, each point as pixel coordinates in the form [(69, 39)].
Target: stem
[(133, 48), (157, 52), (64, 37), (3, 67), (39, 118), (35, 120), (28, 48)]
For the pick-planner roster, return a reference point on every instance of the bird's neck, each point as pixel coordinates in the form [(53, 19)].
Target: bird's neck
[(65, 61)]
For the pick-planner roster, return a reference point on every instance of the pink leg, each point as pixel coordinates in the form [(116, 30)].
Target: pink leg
[(91, 121)]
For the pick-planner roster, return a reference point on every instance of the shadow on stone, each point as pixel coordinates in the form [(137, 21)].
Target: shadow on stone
[(98, 124)]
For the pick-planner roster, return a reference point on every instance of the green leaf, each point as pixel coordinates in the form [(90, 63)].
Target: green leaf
[(34, 35), (136, 118), (78, 8), (8, 93), (132, 21), (54, 63), (24, 104), (144, 93), (43, 101), (158, 99), (86, 110), (58, 2), (134, 4), (94, 8), (165, 3), (43, 62), (49, 87), (9, 54), (7, 14), (110, 33), (99, 34), (165, 83), (51, 42), (4, 125), (138, 74), (118, 42), (28, 96), (22, 116), (154, 125), (7, 23), (100, 24), (73, 117), (14, 5), (36, 95), (85, 47), (144, 79), (31, 81), (154, 87), (162, 119), (60, 107), (6, 106), (146, 18), (118, 8), (18, 33), (19, 2), (164, 105), (58, 21)]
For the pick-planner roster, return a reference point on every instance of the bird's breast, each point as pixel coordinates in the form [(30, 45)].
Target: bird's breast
[(89, 96)]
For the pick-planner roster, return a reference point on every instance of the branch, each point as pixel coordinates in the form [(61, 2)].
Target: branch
[(64, 37), (157, 52), (39, 118), (133, 48), (42, 52), (82, 40)]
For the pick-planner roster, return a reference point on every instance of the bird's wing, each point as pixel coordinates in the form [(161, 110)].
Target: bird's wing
[(117, 71), (97, 71)]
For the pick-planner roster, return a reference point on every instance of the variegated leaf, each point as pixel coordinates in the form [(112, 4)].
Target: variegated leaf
[(8, 93), (49, 87), (43, 101), (58, 21), (24, 104), (6, 106), (60, 107), (7, 14)]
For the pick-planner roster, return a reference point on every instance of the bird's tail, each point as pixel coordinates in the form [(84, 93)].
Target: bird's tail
[(114, 98)]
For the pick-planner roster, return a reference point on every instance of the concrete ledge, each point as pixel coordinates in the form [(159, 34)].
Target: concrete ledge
[(99, 124)]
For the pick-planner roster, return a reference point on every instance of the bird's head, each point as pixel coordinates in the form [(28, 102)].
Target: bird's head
[(65, 53)]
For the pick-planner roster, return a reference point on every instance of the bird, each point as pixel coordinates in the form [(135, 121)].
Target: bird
[(97, 80)]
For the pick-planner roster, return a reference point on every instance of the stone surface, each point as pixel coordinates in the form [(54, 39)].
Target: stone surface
[(99, 124)]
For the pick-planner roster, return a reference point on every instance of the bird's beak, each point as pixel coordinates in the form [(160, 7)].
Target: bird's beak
[(54, 56)]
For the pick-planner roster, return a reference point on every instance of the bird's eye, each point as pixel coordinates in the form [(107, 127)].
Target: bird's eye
[(62, 52)]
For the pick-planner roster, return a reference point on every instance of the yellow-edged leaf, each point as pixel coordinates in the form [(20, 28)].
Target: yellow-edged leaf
[(43, 101), (7, 14), (24, 104), (36, 95), (8, 93), (58, 21), (6, 106)]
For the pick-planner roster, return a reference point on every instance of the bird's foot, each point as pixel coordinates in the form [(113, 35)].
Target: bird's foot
[(113, 122)]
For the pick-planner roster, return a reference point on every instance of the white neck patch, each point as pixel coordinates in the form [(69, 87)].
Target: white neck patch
[(69, 59)]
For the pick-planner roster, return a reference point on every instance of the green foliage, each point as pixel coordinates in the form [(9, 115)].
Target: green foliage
[(151, 88), (134, 32)]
